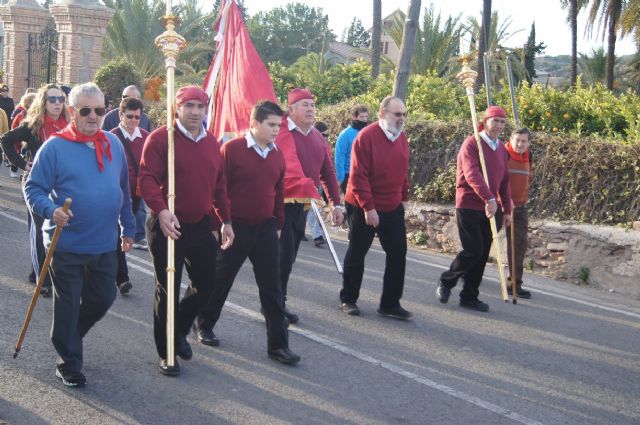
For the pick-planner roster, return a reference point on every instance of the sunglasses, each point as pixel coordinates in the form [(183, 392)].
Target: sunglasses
[(132, 117), (5, 90), (55, 99), (86, 111)]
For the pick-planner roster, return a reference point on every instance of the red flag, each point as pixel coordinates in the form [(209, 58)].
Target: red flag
[(236, 80)]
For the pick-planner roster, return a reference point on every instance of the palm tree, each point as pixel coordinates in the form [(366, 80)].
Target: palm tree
[(574, 7), (498, 34), (594, 67), (437, 43), (482, 45), (376, 34), (607, 12)]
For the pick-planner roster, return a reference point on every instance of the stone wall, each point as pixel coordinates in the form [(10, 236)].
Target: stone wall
[(601, 256)]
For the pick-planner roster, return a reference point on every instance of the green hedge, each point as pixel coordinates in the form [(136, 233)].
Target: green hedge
[(575, 178)]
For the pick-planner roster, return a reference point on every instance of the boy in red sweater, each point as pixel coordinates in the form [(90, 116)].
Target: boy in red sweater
[(254, 171), (519, 178), (376, 194)]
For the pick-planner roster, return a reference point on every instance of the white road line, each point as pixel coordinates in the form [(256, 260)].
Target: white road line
[(12, 217), (514, 416)]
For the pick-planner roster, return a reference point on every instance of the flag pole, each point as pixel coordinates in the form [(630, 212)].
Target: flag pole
[(468, 78), (170, 43)]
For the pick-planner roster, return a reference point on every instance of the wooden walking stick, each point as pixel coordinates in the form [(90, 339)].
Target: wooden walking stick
[(170, 43), (332, 249), (468, 78), (41, 278)]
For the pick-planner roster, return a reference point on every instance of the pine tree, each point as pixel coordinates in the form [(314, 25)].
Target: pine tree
[(356, 35), (531, 49)]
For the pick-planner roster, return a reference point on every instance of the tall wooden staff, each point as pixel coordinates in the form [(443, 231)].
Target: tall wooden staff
[(170, 43), (468, 78), (516, 120)]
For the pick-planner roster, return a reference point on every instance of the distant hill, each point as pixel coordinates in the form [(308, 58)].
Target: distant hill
[(555, 70)]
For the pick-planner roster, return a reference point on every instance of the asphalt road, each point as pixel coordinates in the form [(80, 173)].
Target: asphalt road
[(570, 355)]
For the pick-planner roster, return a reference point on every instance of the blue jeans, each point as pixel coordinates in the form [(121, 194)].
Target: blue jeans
[(141, 218)]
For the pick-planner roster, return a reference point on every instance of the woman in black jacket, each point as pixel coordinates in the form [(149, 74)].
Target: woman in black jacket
[(46, 116)]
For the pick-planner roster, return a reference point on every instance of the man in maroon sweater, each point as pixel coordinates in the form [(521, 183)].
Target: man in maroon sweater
[(317, 164), (376, 195), (132, 138), (254, 171), (476, 203), (200, 189)]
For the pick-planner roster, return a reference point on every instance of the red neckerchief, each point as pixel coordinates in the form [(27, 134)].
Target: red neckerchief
[(515, 155), (51, 126), (100, 141)]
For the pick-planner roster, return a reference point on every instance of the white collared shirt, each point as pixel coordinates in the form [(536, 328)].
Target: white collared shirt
[(186, 132), (389, 134), (131, 137), (493, 144), (251, 143), (292, 126)]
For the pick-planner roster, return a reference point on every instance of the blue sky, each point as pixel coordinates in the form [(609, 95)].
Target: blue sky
[(550, 19)]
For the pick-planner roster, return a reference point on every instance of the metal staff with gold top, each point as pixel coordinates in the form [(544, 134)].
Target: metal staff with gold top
[(170, 43), (468, 78)]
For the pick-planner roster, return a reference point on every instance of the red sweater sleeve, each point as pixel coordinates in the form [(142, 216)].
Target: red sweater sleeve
[(473, 171), (328, 178), (221, 204), (359, 173), (153, 167)]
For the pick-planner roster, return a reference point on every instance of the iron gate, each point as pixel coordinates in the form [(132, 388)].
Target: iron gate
[(42, 56)]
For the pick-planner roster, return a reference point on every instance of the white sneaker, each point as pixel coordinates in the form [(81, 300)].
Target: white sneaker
[(13, 174), (141, 244)]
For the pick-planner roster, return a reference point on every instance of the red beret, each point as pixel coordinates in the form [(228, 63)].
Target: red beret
[(188, 93), (494, 112), (296, 95)]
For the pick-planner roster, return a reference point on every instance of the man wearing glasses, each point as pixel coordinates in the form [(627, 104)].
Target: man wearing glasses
[(376, 195), (6, 103), (112, 119), (132, 138), (89, 166)]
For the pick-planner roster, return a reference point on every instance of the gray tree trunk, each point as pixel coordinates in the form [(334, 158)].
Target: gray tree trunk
[(482, 43), (573, 18), (376, 34), (406, 50)]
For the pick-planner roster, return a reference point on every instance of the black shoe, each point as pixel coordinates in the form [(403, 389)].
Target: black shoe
[(183, 349), (45, 291), (350, 308), (443, 293), (70, 379), (284, 355), (206, 336), (291, 317), (125, 287), (167, 370), (319, 241), (32, 277), (521, 293), (476, 305), (395, 312)]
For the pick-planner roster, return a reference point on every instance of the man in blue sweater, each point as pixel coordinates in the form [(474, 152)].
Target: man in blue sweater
[(359, 120), (89, 166)]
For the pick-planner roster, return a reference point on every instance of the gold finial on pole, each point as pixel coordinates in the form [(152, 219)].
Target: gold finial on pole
[(467, 77), (170, 44)]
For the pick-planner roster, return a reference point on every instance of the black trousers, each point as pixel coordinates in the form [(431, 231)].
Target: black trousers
[(521, 225), (123, 269), (474, 230), (343, 185), (295, 220), (83, 291), (38, 252), (259, 243), (393, 237), (196, 250)]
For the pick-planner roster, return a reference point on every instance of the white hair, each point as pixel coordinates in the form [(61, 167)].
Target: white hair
[(84, 90)]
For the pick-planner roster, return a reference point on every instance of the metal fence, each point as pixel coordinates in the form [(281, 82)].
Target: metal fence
[(42, 56)]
